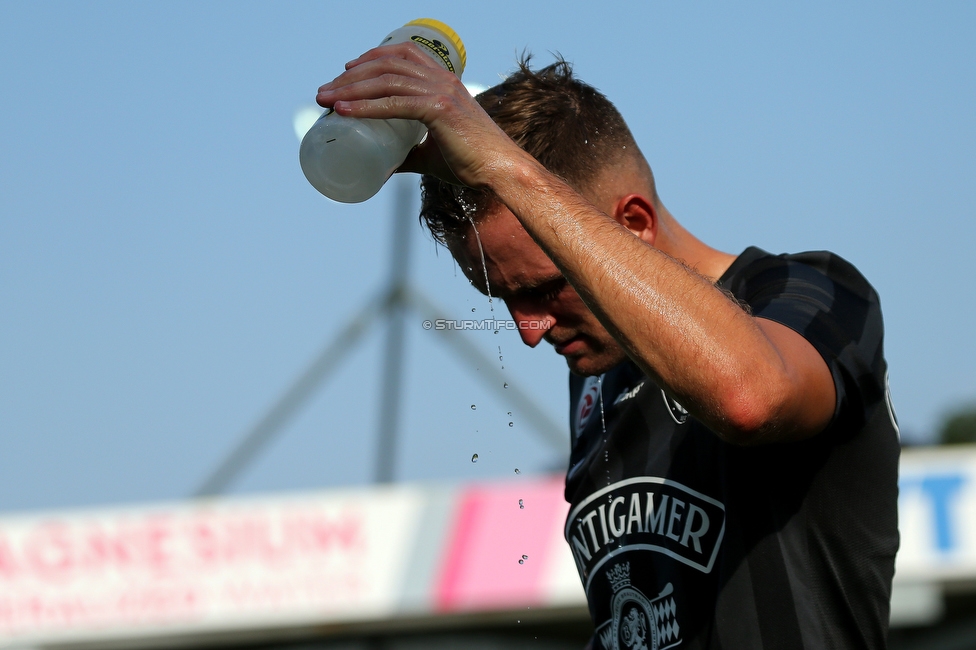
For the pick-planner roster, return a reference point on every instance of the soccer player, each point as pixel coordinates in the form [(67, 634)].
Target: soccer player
[(734, 454)]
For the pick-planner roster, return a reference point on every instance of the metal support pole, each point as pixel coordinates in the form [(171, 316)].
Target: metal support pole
[(390, 397), (552, 433), (268, 426), (393, 303)]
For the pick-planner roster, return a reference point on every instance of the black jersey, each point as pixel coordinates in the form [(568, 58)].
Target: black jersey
[(685, 541)]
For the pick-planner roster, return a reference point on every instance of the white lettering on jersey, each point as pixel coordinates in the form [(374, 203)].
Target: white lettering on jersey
[(645, 513), (628, 394)]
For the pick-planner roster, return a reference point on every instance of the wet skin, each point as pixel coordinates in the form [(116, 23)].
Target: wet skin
[(534, 290)]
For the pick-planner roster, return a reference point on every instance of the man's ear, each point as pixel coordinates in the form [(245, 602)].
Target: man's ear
[(638, 215)]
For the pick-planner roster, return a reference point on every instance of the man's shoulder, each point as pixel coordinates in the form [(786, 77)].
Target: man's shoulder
[(756, 269)]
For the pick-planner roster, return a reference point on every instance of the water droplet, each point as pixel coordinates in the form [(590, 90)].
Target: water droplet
[(472, 310), (505, 385), (474, 458), (524, 558), (484, 265), (518, 472), (603, 421), (521, 505), (511, 424), (474, 407), (509, 414)]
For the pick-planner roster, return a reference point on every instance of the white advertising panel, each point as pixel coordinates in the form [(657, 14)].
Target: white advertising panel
[(204, 566), (937, 514)]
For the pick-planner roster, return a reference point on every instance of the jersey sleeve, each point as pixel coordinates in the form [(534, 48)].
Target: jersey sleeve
[(828, 302)]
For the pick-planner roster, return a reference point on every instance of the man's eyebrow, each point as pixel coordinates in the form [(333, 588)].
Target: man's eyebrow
[(541, 287)]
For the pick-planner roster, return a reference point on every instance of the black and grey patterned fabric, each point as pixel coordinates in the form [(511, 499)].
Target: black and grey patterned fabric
[(685, 541)]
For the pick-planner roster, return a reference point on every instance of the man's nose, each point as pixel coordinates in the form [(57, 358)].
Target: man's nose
[(532, 324)]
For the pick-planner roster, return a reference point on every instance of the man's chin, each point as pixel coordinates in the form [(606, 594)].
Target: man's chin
[(591, 365)]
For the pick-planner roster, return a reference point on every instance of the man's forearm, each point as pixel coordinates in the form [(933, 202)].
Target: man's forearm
[(683, 331)]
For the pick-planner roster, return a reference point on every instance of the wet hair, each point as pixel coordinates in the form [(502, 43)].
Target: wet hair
[(568, 126)]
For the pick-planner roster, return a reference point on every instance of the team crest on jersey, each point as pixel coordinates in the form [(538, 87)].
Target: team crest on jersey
[(678, 413), (588, 402), (638, 622)]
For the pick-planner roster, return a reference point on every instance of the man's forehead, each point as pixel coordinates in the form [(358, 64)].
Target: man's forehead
[(467, 244), (496, 244)]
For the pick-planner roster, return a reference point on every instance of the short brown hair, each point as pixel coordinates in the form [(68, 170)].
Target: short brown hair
[(565, 124)]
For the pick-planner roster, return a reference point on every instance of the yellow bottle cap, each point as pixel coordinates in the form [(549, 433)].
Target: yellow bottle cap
[(449, 33)]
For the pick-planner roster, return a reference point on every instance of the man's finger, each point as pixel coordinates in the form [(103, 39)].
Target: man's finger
[(426, 158), (407, 51), (390, 76)]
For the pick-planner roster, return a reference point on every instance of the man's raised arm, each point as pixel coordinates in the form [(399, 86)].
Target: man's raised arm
[(749, 379)]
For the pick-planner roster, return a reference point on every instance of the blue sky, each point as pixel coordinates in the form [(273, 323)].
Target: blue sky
[(166, 271)]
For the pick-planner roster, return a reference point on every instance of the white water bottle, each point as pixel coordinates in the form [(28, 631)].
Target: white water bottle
[(349, 159)]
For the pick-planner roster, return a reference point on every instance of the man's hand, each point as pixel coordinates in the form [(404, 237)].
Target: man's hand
[(751, 381), (399, 81)]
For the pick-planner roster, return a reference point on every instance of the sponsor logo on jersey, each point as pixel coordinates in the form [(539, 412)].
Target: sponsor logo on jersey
[(678, 413), (638, 622), (628, 394), (588, 403), (646, 513)]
